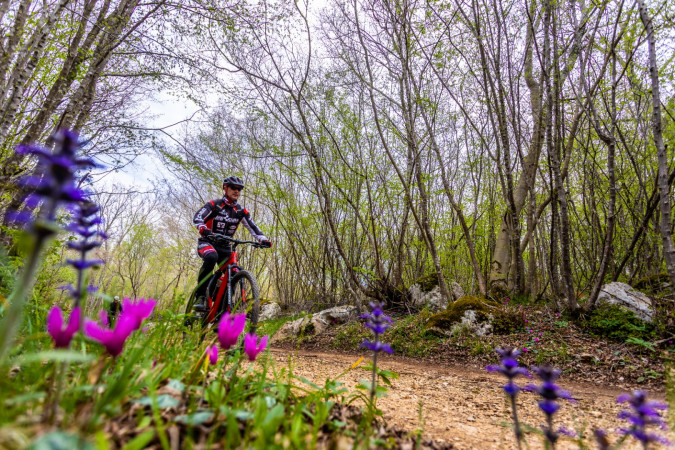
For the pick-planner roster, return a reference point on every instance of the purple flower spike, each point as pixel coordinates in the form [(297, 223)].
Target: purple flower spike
[(377, 346), (229, 329), (212, 353), (62, 336), (549, 392), (138, 310), (252, 347), (113, 340), (643, 413)]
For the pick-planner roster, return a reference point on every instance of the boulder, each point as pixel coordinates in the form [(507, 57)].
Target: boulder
[(478, 316), (457, 291), (293, 328), (624, 295), (317, 323), (269, 310), (433, 298)]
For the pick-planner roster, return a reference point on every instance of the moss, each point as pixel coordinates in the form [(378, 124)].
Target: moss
[(652, 283), (498, 291), (427, 282), (615, 322), (503, 321)]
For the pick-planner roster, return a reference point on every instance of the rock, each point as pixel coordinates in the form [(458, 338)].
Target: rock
[(476, 315), (625, 296), (433, 298), (317, 323), (293, 328), (269, 310), (333, 316), (457, 291)]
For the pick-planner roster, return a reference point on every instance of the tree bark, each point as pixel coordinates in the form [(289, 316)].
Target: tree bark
[(662, 157)]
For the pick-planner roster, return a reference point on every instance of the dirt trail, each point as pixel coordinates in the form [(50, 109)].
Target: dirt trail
[(463, 406)]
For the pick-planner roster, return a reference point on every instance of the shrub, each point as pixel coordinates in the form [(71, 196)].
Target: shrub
[(615, 322)]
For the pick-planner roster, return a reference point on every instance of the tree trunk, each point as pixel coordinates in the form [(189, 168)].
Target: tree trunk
[(664, 187)]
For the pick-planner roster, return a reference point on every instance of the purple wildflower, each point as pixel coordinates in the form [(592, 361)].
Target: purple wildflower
[(212, 353), (253, 346), (62, 336), (112, 339), (378, 323), (229, 329), (511, 369), (549, 392), (643, 413), (139, 310)]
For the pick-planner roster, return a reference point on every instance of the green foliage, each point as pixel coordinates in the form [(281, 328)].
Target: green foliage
[(615, 322)]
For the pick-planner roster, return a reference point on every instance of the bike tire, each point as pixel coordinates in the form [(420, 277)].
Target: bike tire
[(245, 287)]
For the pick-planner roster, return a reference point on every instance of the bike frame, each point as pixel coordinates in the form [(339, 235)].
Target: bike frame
[(226, 271)]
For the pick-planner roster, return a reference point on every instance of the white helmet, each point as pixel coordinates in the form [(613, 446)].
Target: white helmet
[(117, 298)]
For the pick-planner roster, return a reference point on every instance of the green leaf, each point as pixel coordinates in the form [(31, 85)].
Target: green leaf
[(56, 356), (25, 398), (195, 418), (164, 401), (141, 441), (176, 384), (59, 440)]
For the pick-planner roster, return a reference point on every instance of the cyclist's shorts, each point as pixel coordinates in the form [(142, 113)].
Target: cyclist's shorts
[(204, 248)]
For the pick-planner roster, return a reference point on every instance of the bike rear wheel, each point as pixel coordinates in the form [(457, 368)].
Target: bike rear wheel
[(246, 298)]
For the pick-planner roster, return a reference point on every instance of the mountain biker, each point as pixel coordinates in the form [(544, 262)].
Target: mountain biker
[(221, 216), (114, 310)]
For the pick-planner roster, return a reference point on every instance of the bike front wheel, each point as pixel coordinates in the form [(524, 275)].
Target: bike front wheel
[(246, 298)]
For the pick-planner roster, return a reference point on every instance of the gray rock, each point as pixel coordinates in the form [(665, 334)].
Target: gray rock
[(433, 298), (457, 291), (625, 296), (319, 322), (471, 325), (292, 328), (269, 310)]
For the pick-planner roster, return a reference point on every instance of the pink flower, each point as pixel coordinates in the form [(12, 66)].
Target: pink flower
[(229, 329), (139, 310), (536, 339), (252, 347), (62, 336), (524, 349), (113, 340), (212, 353)]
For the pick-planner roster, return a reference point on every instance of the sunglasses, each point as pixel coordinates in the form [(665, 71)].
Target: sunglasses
[(236, 188)]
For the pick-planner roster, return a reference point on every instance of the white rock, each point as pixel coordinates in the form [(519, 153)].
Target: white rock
[(457, 291), (624, 295), (433, 298), (269, 310), (292, 328), (320, 321), (470, 322)]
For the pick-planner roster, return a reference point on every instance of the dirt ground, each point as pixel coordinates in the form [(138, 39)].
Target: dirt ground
[(465, 406)]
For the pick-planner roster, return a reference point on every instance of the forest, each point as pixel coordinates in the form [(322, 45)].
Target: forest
[(514, 153)]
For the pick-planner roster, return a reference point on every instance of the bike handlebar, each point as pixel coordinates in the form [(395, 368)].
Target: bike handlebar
[(221, 237)]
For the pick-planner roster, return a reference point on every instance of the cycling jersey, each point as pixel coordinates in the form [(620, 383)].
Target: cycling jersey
[(222, 216)]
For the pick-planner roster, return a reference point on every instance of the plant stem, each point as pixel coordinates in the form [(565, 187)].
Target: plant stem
[(373, 384), (11, 323), (516, 423)]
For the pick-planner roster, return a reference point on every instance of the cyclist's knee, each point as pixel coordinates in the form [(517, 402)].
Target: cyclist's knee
[(210, 260)]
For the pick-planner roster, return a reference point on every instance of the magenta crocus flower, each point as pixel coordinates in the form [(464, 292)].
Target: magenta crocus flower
[(139, 310), (62, 336), (112, 339), (212, 352), (229, 329), (252, 347)]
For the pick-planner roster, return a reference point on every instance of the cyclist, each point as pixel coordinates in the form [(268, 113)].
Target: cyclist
[(221, 216), (114, 310)]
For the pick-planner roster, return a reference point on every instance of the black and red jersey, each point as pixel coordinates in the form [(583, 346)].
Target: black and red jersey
[(223, 217)]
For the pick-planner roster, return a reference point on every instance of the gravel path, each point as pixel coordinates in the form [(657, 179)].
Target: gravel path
[(463, 406)]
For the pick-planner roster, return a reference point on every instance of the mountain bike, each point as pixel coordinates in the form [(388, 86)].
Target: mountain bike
[(230, 289)]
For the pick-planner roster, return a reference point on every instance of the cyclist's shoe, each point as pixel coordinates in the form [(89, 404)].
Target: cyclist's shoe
[(200, 305)]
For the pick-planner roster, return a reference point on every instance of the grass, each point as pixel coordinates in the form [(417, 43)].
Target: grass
[(163, 381)]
